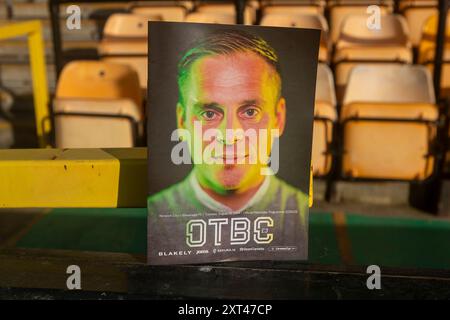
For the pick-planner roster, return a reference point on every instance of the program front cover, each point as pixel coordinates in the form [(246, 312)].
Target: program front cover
[(230, 115)]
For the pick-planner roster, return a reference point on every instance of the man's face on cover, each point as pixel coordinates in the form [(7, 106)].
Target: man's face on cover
[(238, 91)]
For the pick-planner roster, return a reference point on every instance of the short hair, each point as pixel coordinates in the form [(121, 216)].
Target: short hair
[(227, 42)]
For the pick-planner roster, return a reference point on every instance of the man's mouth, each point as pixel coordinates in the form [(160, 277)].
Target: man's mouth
[(231, 158)]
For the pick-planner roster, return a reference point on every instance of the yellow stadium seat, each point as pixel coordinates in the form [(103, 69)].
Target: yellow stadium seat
[(202, 17), (387, 149), (311, 21), (390, 83), (339, 12), (325, 116), (389, 128), (85, 123), (358, 42), (229, 8), (445, 74), (406, 4), (428, 39), (416, 16), (97, 104), (128, 25), (125, 41), (358, 45), (167, 13), (342, 72), (292, 8), (98, 80), (426, 51)]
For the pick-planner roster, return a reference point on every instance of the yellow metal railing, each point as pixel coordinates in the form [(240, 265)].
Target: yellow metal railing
[(33, 30)]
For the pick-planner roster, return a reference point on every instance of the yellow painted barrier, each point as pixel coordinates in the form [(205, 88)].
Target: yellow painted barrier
[(77, 178), (33, 30), (54, 178)]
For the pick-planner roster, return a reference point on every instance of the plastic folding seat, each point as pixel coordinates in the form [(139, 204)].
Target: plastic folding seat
[(427, 47), (428, 39), (97, 104), (325, 116), (405, 4), (312, 21), (389, 123), (125, 41), (229, 8), (291, 7), (97, 124), (201, 17), (340, 10), (357, 44), (416, 16), (175, 13), (390, 43)]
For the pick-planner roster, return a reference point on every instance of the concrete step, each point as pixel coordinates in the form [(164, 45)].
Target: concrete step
[(379, 193)]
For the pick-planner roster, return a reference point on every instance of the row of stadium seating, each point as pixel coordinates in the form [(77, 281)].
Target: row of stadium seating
[(99, 104), (125, 41), (345, 36)]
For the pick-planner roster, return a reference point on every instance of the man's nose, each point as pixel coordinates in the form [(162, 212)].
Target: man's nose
[(231, 130)]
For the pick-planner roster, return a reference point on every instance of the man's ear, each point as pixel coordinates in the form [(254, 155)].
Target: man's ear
[(280, 113), (181, 116)]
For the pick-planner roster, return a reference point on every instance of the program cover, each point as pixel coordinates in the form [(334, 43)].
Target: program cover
[(230, 115)]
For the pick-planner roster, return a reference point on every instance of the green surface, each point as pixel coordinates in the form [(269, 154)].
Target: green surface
[(399, 242), (385, 241), (106, 230)]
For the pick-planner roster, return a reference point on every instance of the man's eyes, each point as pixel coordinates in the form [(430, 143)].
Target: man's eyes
[(210, 115), (249, 113)]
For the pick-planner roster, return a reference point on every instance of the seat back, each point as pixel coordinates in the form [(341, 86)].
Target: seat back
[(406, 4), (125, 41), (416, 17), (201, 17), (98, 80), (354, 32), (358, 42), (87, 123), (428, 39), (309, 21), (292, 8), (128, 26), (167, 13), (228, 8), (389, 83), (340, 12)]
